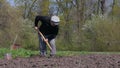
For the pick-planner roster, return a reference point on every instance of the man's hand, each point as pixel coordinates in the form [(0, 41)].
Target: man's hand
[(36, 28), (46, 40)]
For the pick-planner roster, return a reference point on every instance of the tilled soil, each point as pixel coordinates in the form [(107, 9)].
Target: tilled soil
[(82, 61)]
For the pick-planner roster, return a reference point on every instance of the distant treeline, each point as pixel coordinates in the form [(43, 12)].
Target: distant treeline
[(86, 25)]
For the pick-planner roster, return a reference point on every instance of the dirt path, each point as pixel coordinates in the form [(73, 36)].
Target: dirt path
[(82, 61)]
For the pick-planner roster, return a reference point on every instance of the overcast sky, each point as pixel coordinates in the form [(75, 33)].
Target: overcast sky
[(11, 2)]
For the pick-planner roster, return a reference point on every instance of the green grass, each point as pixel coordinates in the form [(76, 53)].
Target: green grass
[(17, 53), (70, 53), (28, 53), (75, 53)]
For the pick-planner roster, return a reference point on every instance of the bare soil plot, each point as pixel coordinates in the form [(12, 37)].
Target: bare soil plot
[(82, 61)]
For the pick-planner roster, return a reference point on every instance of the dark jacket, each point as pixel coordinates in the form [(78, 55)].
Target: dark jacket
[(45, 28)]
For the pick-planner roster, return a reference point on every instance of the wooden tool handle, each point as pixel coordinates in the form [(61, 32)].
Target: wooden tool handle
[(44, 39)]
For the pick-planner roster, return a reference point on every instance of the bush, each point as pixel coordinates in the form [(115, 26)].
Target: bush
[(103, 34), (29, 37), (9, 24)]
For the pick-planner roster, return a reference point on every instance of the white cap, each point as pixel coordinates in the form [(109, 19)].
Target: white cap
[(55, 19)]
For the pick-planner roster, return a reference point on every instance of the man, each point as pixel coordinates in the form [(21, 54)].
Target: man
[(49, 28)]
